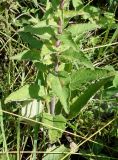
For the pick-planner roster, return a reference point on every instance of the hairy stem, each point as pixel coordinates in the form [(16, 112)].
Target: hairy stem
[(56, 65)]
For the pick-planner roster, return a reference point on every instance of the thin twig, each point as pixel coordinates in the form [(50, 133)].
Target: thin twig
[(101, 46)]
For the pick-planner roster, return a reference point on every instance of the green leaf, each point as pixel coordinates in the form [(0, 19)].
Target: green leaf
[(77, 3), (72, 55), (85, 75), (86, 12), (72, 13), (84, 98), (55, 4), (53, 155), (66, 39), (32, 41), (27, 55), (42, 67), (57, 121), (27, 92), (60, 91), (110, 92), (115, 81), (91, 9), (76, 29), (92, 13), (44, 32)]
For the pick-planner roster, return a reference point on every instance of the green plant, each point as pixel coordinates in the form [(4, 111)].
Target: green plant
[(66, 79)]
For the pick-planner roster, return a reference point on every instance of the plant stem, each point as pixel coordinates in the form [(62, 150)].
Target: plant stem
[(56, 66)]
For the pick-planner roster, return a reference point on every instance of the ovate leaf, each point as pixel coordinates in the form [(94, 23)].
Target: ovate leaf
[(67, 40), (84, 75), (57, 121), (32, 41), (40, 66), (27, 55), (78, 56), (27, 92), (53, 156), (44, 32), (55, 4), (61, 92), (76, 29), (84, 98), (86, 12)]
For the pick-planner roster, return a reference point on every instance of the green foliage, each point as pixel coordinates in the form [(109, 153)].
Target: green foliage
[(60, 91), (85, 96), (57, 121), (77, 3), (55, 4), (27, 55), (44, 32), (54, 156), (84, 75), (78, 29), (32, 41), (115, 81), (27, 92), (64, 55), (76, 56)]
